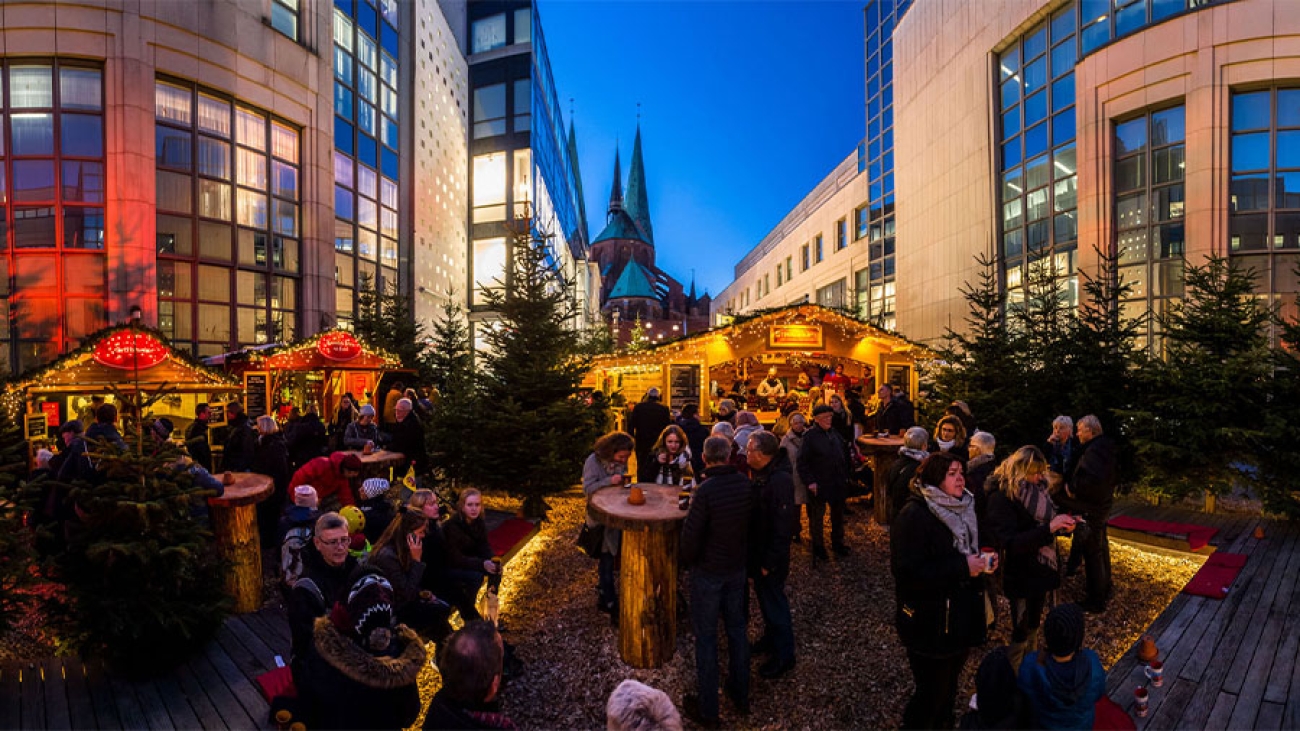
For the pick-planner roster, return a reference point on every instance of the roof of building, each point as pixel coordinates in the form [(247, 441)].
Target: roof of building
[(637, 203), (635, 281), (620, 226)]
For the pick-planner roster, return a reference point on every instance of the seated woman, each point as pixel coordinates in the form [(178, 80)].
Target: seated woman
[(671, 456), (399, 555), (469, 555), (363, 431)]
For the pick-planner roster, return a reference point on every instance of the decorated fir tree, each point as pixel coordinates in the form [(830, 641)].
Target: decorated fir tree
[(18, 573), (452, 365), (532, 431), (385, 318)]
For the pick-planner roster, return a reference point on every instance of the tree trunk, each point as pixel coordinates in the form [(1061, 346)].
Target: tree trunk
[(236, 532), (648, 598)]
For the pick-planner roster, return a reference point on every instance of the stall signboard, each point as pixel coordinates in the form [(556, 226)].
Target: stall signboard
[(216, 415), (358, 384), (635, 384), (51, 411), (255, 396), (34, 426), (130, 349), (796, 337), (339, 345), (683, 384)]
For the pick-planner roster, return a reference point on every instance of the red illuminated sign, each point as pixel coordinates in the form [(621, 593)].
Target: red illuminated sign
[(339, 346), (130, 349), (51, 411)]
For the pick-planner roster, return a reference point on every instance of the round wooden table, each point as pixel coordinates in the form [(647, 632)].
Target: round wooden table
[(379, 462), (234, 522), (648, 595), (883, 452)]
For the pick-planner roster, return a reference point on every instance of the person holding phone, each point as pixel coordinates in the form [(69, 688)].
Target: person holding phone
[(399, 555)]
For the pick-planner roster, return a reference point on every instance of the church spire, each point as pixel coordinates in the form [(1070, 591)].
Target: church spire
[(616, 190), (638, 205), (577, 178)]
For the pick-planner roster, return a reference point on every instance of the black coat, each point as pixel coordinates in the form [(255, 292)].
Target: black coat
[(379, 512), (445, 714), (408, 438), (467, 543), (1093, 479), (977, 475), (304, 605), (696, 433), (1013, 530), (646, 423), (196, 443), (307, 440), (343, 686), (824, 460), (940, 606), (271, 458), (895, 416), (713, 539), (240, 446), (772, 526), (899, 480)]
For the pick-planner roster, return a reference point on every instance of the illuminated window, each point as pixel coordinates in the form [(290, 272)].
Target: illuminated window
[(489, 189), (489, 267)]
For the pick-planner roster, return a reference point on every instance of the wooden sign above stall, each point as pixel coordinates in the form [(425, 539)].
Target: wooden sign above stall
[(796, 337), (339, 345), (129, 350)]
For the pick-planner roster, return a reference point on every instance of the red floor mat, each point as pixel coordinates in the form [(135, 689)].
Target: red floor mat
[(504, 537), (1198, 536), (1216, 576)]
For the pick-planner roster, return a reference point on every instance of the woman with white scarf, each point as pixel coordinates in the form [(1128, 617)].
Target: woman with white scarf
[(939, 584), (1024, 525)]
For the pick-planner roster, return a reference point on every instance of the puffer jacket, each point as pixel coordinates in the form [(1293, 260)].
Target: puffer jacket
[(345, 687)]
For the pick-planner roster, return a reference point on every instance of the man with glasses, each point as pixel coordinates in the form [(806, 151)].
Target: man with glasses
[(326, 566)]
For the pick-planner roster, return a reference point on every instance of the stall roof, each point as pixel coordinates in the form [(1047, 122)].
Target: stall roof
[(335, 349), (120, 358)]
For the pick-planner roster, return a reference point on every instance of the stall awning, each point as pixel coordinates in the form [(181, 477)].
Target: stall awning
[(329, 350), (125, 359)]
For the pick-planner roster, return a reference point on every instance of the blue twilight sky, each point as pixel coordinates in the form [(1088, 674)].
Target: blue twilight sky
[(745, 106)]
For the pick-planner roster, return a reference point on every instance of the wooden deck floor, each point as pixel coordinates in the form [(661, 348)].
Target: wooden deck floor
[(214, 690), (1229, 663)]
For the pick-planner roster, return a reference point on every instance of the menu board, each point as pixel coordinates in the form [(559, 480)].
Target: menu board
[(634, 385), (255, 395), (34, 426), (683, 384)]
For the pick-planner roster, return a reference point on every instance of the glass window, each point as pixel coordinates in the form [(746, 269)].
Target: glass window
[(83, 181), (1250, 151), (213, 158), (523, 93), (32, 134), (33, 181), (1250, 111), (83, 228), (523, 25), (488, 33), (172, 148), (489, 179), (35, 228), (489, 266), (30, 87), (214, 116), (490, 110), (80, 88), (1167, 126), (284, 17)]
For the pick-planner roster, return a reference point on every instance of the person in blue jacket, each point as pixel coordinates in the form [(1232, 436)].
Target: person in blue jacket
[(1064, 682)]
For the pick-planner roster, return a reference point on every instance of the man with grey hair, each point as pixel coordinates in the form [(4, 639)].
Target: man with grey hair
[(636, 706), (769, 548), (978, 468), (1090, 493), (326, 567), (1061, 447), (408, 438), (791, 443), (713, 548), (899, 477)]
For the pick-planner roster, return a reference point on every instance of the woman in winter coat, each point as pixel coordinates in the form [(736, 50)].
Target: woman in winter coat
[(746, 425), (671, 457), (361, 667), (605, 466), (399, 555), (362, 431), (841, 419), (271, 458), (792, 442), (939, 583), (1024, 525), (469, 554), (950, 436)]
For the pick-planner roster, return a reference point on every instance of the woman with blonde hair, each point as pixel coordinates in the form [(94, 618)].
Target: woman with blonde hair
[(1024, 524), (671, 457), (469, 554)]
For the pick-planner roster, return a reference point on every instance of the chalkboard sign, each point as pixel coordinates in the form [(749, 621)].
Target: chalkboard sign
[(255, 395), (216, 415), (683, 384), (34, 426)]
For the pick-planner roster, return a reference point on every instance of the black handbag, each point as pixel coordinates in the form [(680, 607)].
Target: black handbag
[(591, 539)]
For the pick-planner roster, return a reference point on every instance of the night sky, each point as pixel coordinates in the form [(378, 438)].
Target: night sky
[(745, 106)]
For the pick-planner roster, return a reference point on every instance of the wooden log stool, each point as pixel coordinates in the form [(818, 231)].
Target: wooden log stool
[(648, 594)]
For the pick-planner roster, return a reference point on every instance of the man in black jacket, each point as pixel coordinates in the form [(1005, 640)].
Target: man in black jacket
[(1091, 492), (408, 438), (196, 438), (326, 568), (713, 547), (824, 466), (241, 441), (696, 433), (470, 663), (647, 420), (769, 548)]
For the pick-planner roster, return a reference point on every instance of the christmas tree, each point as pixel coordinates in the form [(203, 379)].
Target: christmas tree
[(452, 364), (17, 552)]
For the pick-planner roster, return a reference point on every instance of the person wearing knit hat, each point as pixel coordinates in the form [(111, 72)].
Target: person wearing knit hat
[(998, 702), (363, 431), (376, 506), (361, 668), (1066, 680), (304, 496), (636, 706)]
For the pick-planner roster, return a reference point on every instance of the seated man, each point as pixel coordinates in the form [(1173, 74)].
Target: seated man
[(1064, 682), (470, 664), (326, 566)]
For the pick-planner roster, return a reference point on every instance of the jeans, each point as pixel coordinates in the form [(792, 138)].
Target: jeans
[(775, 607), (711, 597), (935, 680), (608, 595), (817, 509)]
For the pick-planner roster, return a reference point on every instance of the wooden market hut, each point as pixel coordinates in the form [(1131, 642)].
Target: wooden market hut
[(318, 371), (127, 362), (794, 340)]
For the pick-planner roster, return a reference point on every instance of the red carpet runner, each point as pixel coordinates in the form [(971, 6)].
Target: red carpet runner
[(1216, 576), (1198, 536)]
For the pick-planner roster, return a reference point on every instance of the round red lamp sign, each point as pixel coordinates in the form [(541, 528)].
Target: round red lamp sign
[(339, 346), (130, 349)]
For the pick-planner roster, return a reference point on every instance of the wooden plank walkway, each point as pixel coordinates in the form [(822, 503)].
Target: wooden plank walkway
[(1229, 663), (215, 689)]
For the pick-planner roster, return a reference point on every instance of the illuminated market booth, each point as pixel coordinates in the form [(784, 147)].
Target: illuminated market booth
[(798, 340), (123, 365), (316, 371)]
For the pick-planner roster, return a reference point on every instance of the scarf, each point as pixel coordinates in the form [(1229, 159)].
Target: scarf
[(1034, 497), (917, 454), (956, 513), (945, 446)]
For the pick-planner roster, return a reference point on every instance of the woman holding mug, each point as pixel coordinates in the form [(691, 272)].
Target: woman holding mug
[(607, 465), (938, 577), (671, 457), (1024, 525)]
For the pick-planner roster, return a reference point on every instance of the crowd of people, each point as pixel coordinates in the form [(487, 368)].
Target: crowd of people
[(964, 526)]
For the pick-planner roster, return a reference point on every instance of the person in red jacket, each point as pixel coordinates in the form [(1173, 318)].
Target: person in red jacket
[(332, 477)]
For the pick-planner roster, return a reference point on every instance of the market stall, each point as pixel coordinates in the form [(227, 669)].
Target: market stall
[(124, 365), (778, 345), (316, 372)]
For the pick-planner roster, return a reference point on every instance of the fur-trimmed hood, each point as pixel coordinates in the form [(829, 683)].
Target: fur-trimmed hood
[(373, 671)]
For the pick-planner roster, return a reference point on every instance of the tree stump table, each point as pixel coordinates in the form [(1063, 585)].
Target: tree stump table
[(883, 453), (234, 522), (378, 463), (648, 595)]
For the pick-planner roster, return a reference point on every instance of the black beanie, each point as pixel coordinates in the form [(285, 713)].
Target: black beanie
[(1063, 629)]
